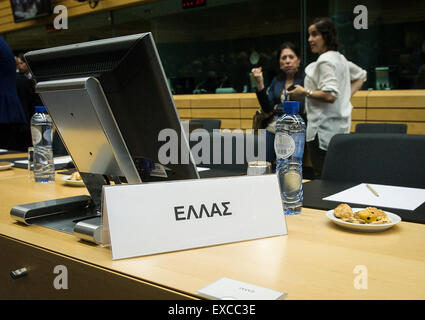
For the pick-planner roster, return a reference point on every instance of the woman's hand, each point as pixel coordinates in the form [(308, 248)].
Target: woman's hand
[(298, 93), (257, 73), (356, 85)]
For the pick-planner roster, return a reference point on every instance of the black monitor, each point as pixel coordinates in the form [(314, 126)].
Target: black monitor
[(109, 100), (130, 73), (24, 10)]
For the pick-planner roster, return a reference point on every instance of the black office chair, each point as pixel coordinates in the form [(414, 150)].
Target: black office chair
[(58, 146), (381, 128), (245, 147), (207, 124), (382, 158)]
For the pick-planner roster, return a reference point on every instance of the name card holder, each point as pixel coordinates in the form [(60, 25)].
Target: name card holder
[(162, 217)]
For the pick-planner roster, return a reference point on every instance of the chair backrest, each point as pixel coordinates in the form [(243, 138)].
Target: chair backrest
[(58, 146), (381, 128), (207, 124), (228, 150), (382, 158)]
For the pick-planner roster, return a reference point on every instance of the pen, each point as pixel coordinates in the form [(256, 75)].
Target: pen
[(372, 190)]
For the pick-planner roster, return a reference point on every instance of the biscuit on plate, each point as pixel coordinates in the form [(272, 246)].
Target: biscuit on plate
[(75, 176), (343, 211), (353, 220), (372, 214)]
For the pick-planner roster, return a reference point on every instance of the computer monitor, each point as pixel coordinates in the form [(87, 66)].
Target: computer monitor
[(24, 10), (382, 78), (133, 81), (109, 100)]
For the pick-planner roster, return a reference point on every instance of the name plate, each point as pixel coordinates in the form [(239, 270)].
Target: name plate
[(229, 289), (161, 217)]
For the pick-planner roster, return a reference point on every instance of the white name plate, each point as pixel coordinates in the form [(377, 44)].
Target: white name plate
[(229, 289), (161, 217)]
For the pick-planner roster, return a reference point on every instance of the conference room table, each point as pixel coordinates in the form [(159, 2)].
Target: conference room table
[(315, 260)]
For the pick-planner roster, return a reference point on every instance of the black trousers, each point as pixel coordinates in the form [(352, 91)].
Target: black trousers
[(317, 156)]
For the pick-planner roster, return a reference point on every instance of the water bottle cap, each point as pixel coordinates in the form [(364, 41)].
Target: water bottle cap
[(291, 107), (40, 109)]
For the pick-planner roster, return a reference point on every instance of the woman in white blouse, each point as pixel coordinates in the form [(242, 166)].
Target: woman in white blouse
[(330, 83)]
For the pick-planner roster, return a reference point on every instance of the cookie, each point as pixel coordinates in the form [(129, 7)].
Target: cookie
[(372, 215), (343, 211)]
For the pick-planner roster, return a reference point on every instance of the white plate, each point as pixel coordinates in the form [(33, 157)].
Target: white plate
[(4, 165), (75, 183), (364, 227)]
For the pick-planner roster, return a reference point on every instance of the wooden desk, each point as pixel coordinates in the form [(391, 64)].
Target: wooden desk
[(14, 172), (316, 260), (13, 155)]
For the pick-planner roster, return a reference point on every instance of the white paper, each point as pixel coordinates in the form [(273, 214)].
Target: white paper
[(159, 171), (389, 196), (168, 216), (61, 160), (3, 150), (57, 160), (229, 289)]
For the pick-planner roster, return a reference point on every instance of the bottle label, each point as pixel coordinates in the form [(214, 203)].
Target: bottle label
[(292, 182), (36, 135), (47, 135), (284, 145)]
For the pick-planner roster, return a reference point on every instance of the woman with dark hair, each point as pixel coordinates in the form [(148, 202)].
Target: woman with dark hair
[(330, 83), (289, 74)]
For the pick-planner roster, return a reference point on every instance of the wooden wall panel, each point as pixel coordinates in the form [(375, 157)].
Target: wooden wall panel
[(359, 100), (230, 123), (237, 110), (246, 124), (250, 101), (249, 105), (353, 125), (358, 114), (219, 113), (416, 128), (184, 113), (248, 113), (396, 99), (224, 102), (406, 114), (181, 103), (398, 106)]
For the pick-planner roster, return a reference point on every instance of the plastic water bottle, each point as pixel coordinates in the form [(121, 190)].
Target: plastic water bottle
[(41, 132), (289, 147)]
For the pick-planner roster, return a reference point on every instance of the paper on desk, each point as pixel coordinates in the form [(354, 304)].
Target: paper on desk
[(57, 160), (389, 196), (229, 289)]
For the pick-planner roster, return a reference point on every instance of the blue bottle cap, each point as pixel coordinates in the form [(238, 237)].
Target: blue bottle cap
[(40, 109), (291, 107)]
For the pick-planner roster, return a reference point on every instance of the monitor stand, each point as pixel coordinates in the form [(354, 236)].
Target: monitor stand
[(86, 125), (78, 215)]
